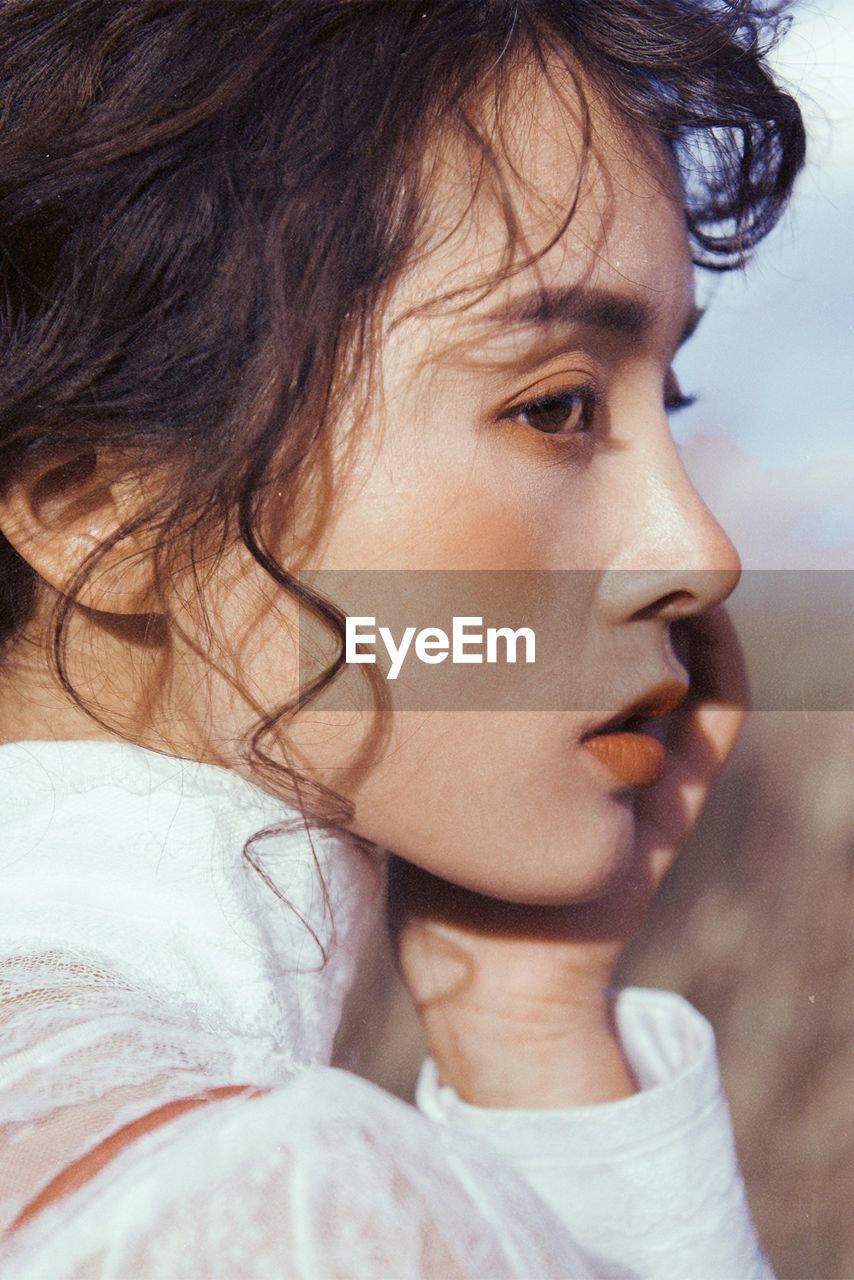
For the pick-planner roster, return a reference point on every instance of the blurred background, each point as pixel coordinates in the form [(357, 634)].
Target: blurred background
[(754, 924)]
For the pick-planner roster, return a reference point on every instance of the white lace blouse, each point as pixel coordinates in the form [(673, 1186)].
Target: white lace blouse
[(142, 961)]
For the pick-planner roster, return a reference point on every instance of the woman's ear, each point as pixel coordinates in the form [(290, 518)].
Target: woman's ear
[(60, 511)]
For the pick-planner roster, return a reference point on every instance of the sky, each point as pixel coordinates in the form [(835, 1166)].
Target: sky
[(770, 442)]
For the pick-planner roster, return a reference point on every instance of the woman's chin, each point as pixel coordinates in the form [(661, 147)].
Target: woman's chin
[(555, 862)]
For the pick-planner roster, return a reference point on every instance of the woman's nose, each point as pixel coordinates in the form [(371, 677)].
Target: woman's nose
[(674, 558)]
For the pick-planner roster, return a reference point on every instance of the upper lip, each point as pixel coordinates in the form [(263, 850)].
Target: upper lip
[(654, 704)]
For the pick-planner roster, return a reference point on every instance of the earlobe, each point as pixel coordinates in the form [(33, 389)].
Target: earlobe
[(61, 512)]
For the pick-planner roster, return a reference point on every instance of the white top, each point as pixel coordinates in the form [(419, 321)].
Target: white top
[(143, 960)]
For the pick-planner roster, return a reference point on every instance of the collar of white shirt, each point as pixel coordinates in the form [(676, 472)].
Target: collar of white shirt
[(142, 860)]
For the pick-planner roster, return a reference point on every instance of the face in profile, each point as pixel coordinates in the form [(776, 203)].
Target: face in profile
[(521, 426)]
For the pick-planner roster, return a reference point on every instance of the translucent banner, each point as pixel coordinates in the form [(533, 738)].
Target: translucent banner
[(567, 639)]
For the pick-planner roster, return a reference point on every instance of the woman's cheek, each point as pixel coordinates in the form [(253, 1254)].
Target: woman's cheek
[(496, 802)]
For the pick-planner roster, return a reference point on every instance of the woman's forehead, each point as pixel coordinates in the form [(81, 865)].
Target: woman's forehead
[(498, 228)]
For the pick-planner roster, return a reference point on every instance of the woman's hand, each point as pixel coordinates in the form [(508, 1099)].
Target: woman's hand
[(515, 999)]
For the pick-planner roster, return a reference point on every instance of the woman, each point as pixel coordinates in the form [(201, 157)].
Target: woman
[(300, 289)]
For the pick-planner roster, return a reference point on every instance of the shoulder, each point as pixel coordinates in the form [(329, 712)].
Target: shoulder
[(324, 1175)]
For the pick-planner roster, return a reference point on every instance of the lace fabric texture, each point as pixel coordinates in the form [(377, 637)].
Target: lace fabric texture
[(143, 961), (323, 1176)]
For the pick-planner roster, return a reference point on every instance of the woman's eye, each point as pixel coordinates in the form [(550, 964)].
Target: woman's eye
[(559, 412)]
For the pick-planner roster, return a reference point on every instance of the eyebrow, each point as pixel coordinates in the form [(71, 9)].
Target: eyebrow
[(619, 313)]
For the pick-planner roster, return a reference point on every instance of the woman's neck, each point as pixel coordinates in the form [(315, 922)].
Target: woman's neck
[(35, 705)]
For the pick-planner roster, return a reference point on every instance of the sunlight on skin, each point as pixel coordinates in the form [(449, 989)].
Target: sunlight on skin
[(457, 466)]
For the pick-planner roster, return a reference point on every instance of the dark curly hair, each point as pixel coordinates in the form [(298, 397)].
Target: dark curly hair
[(203, 202)]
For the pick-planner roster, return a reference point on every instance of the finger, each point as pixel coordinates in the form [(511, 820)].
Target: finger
[(714, 657), (707, 728)]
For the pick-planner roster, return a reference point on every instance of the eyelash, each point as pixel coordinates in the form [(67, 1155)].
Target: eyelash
[(563, 399), (679, 401), (590, 403)]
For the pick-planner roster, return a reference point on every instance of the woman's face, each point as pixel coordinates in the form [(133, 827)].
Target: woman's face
[(451, 471)]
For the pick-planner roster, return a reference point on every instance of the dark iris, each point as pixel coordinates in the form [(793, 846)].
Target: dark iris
[(555, 413)]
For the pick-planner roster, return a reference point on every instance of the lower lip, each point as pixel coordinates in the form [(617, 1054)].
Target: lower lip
[(637, 759)]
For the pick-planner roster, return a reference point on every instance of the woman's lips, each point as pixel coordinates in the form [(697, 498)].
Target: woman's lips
[(637, 759)]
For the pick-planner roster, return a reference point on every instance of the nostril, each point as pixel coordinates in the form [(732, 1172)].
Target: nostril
[(671, 604)]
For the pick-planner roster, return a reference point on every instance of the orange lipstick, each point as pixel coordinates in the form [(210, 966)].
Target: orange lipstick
[(637, 759)]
